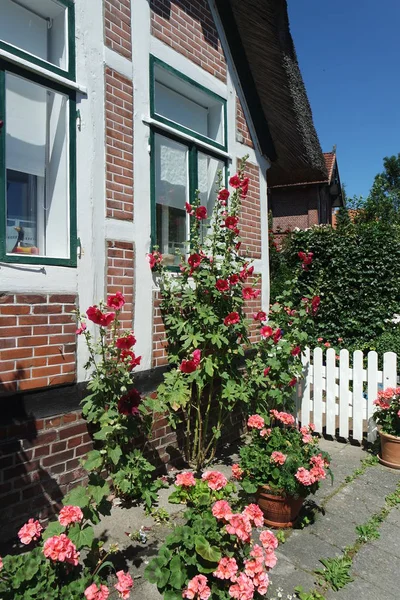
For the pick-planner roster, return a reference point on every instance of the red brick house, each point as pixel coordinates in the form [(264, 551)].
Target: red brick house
[(106, 108), (307, 203)]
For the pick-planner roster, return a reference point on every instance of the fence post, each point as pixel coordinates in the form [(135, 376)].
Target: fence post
[(330, 392), (389, 370), (358, 398), (344, 400), (318, 386), (372, 379), (306, 384)]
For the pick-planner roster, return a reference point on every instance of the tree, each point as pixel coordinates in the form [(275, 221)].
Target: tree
[(383, 201)]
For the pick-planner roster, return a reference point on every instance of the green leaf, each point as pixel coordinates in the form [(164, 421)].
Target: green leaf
[(93, 461), (115, 454), (81, 537), (178, 573), (172, 595), (53, 528), (249, 487), (77, 497), (103, 433), (208, 366), (205, 550)]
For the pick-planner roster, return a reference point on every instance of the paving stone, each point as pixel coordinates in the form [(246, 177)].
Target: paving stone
[(304, 550), (379, 569), (361, 589)]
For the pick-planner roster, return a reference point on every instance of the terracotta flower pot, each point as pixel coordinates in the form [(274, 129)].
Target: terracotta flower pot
[(279, 511), (390, 450)]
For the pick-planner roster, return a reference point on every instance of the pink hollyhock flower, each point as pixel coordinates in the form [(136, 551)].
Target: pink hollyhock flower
[(81, 329), (223, 195), (237, 472), (266, 371), (29, 532), (95, 315), (240, 526), (296, 351), (266, 331), (185, 479), (278, 458), (268, 540), (250, 293), (201, 213), (261, 582), (256, 422), (197, 589), (154, 258), (60, 548), (235, 181), (227, 569), (255, 514), (222, 285), (215, 480), (260, 316), (231, 223), (116, 301), (304, 476), (70, 514), (128, 403), (265, 432), (232, 319), (234, 279), (96, 593), (124, 585), (270, 559), (189, 208), (243, 589), (126, 342), (134, 360), (196, 354), (222, 510)]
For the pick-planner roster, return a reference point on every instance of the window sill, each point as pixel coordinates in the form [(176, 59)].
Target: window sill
[(14, 259)]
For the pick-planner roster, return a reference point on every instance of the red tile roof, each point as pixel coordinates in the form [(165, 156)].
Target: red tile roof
[(330, 158)]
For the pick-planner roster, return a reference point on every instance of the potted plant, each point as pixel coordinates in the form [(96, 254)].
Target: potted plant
[(387, 417), (281, 465)]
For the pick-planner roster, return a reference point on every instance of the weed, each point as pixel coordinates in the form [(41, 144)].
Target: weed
[(160, 515), (311, 595), (337, 572), (369, 530), (280, 536), (370, 461)]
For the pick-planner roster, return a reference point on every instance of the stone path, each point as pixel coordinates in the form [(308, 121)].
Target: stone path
[(343, 506)]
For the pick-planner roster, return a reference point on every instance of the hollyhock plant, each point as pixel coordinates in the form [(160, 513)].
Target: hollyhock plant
[(120, 421), (287, 460)]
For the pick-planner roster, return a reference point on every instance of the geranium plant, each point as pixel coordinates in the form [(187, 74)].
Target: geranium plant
[(114, 408), (214, 554), (204, 318), (52, 564), (282, 456), (276, 367), (387, 411)]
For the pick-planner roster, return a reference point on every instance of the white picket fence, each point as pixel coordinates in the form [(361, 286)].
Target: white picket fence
[(337, 394)]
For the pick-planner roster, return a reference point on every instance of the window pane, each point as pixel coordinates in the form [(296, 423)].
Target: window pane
[(185, 104), (208, 168), (36, 26), (172, 192), (37, 166)]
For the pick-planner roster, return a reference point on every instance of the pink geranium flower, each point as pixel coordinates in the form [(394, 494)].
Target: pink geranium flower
[(255, 422), (185, 479), (124, 585), (240, 526), (243, 589), (227, 569), (261, 582), (29, 532), (60, 548), (237, 472), (278, 458), (304, 476), (222, 510), (268, 540), (96, 593), (215, 480), (70, 514), (270, 559), (197, 589), (255, 514), (253, 567), (265, 432), (283, 417)]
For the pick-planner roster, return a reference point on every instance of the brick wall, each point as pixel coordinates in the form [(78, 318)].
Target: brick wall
[(37, 341), (120, 267), (294, 207), (119, 145), (250, 220), (117, 26), (242, 130), (159, 342), (188, 27)]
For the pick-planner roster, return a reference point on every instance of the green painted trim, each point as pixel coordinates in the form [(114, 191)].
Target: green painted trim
[(69, 73), (33, 259), (152, 189), (156, 61)]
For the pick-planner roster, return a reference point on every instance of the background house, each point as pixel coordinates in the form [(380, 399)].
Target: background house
[(307, 203), (113, 113)]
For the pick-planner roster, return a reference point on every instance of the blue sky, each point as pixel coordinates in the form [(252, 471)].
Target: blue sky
[(349, 52)]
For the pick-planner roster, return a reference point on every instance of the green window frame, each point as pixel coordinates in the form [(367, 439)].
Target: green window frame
[(69, 73), (50, 84)]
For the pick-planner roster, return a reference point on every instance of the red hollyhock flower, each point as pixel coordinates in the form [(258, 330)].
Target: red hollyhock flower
[(126, 342), (277, 335), (235, 181), (128, 404), (223, 194), (189, 208), (154, 259), (95, 315), (231, 319), (266, 371), (296, 351), (201, 213), (189, 366), (260, 316), (231, 222), (266, 331), (81, 329), (116, 301), (244, 188), (234, 279), (315, 302), (250, 293), (194, 260), (292, 382), (246, 272), (237, 247), (134, 360), (222, 285)]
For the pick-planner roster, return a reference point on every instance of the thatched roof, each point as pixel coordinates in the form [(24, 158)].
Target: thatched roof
[(262, 48)]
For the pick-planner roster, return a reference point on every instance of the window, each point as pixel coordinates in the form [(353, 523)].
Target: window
[(37, 141), (188, 143)]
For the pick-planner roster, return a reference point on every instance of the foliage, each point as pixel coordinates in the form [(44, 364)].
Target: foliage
[(279, 270), (285, 458), (337, 572), (213, 553), (387, 411), (311, 595), (275, 367), (356, 270), (113, 408), (50, 568), (383, 201), (203, 314)]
